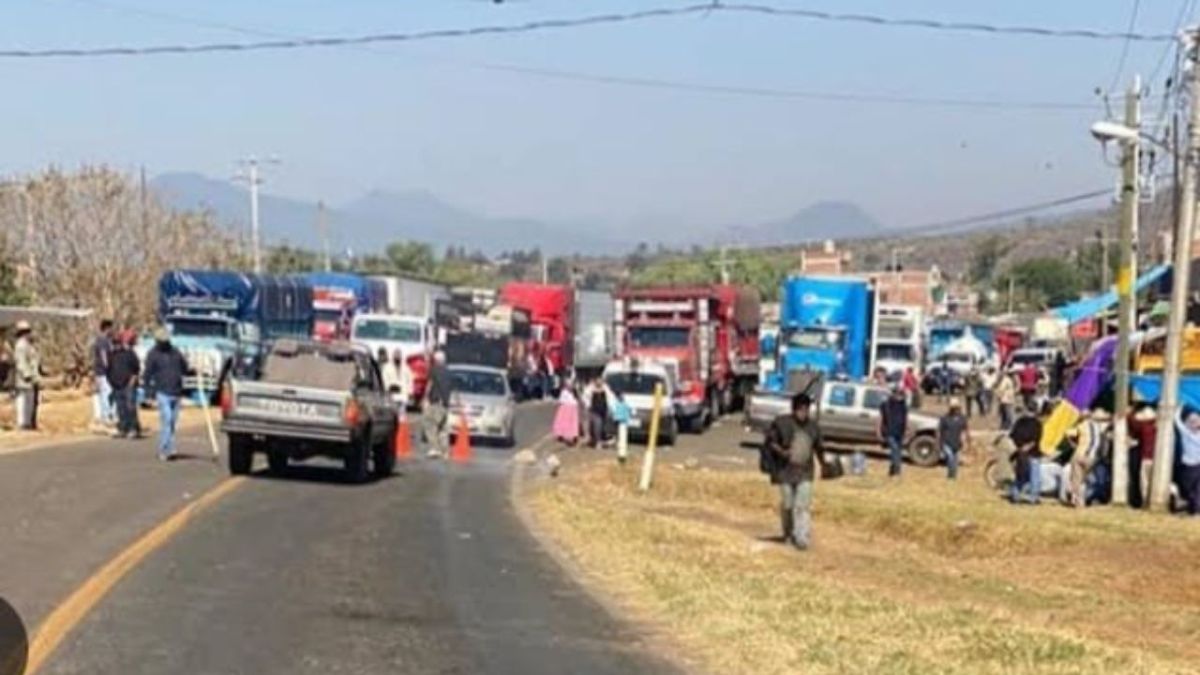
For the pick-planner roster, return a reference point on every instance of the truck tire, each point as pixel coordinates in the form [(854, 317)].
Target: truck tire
[(354, 466), (716, 405), (277, 460), (694, 424), (671, 434), (241, 454), (924, 451), (383, 463)]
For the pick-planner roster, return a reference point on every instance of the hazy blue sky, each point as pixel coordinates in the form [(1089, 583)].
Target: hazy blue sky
[(425, 116)]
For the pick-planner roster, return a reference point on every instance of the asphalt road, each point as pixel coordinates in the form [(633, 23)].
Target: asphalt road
[(427, 572)]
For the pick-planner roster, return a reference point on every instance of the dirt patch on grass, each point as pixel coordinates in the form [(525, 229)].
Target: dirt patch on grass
[(911, 577)]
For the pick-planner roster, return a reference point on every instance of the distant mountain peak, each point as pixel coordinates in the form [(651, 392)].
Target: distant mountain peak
[(827, 219)]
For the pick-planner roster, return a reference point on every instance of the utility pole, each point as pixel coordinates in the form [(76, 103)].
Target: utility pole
[(323, 231), (1012, 283), (1102, 242), (251, 176), (1126, 276), (1164, 448)]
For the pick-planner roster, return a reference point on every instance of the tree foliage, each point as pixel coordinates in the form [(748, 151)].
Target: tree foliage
[(986, 257), (752, 268), (1044, 282)]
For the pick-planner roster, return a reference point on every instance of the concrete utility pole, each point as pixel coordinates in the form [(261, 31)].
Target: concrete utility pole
[(323, 231), (254, 180), (1164, 449), (1126, 278)]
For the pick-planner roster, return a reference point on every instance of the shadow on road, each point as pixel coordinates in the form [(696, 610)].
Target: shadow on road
[(314, 473)]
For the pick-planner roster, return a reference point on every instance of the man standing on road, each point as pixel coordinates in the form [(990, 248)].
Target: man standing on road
[(792, 443), (893, 423), (103, 411), (1006, 398), (437, 401), (1028, 377), (165, 368), (597, 412), (28, 364), (122, 378), (953, 436)]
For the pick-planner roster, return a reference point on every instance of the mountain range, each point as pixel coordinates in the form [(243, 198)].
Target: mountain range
[(380, 217)]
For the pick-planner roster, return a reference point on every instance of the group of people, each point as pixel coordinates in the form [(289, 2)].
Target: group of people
[(593, 412)]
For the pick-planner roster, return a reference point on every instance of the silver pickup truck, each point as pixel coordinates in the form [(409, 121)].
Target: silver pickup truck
[(311, 399), (848, 412)]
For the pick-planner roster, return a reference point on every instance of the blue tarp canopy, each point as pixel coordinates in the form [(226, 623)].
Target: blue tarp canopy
[(1097, 304), (1149, 387)]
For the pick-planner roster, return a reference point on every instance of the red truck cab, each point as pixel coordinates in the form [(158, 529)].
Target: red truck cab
[(333, 310), (550, 308), (710, 332)]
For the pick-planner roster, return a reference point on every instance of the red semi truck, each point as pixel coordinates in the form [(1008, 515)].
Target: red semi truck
[(709, 333), (550, 309)]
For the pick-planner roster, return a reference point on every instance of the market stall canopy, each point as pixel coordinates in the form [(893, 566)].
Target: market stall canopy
[(10, 315), (1149, 387), (1098, 304)]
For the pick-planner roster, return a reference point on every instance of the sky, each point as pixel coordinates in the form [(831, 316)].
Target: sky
[(437, 116)]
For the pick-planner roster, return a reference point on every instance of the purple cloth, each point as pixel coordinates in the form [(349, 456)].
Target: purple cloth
[(1093, 375)]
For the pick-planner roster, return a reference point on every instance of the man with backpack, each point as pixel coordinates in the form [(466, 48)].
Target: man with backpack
[(792, 443)]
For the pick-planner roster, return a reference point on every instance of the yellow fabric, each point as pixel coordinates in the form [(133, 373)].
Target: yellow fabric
[(1055, 428)]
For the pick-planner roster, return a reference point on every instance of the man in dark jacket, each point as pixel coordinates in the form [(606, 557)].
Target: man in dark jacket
[(792, 443), (436, 412), (122, 376), (165, 369), (893, 424)]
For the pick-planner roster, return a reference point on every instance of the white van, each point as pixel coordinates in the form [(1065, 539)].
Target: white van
[(635, 380)]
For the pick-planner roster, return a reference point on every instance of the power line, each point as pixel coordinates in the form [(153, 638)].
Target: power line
[(936, 226), (645, 82), (579, 22), (1133, 15)]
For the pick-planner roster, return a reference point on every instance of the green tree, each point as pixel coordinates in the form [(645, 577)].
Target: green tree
[(986, 257), (1046, 282), (412, 257)]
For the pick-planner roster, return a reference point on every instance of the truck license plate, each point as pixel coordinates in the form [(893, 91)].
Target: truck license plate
[(288, 408)]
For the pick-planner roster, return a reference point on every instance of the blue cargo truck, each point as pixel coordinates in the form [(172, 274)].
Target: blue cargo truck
[(826, 331), (214, 315)]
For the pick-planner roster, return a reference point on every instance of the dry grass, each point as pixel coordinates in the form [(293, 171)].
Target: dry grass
[(917, 577)]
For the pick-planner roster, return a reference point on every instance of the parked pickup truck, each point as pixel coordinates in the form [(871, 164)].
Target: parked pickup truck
[(311, 399), (848, 412)]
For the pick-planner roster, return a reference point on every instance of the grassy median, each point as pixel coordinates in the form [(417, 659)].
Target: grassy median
[(920, 576)]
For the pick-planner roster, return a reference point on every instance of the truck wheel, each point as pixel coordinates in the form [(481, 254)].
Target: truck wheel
[(695, 423), (716, 406), (277, 461), (383, 463), (355, 464), (923, 451), (241, 454), (672, 433)]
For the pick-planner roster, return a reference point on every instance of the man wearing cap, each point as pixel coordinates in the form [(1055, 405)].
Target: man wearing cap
[(165, 369), (122, 377), (437, 400), (893, 424), (792, 443), (28, 364)]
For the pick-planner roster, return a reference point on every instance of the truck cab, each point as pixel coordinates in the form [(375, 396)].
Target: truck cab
[(413, 336)]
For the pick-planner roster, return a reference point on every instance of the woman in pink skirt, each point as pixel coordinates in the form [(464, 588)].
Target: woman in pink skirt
[(566, 418)]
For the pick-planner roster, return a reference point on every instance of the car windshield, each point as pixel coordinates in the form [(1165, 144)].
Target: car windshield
[(957, 357), (1028, 357), (478, 382), (816, 338), (633, 383), (390, 330), (895, 352), (659, 336), (200, 327)]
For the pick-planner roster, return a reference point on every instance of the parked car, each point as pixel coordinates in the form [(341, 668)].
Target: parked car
[(311, 399), (1041, 357), (482, 396), (848, 413), (635, 380)]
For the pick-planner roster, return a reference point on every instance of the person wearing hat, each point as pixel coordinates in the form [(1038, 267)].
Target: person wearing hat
[(1089, 442), (953, 436), (792, 443), (28, 364), (893, 424), (1143, 431), (438, 391), (122, 376), (163, 375)]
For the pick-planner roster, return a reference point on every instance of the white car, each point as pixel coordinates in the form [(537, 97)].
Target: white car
[(635, 381), (1040, 357), (481, 396)]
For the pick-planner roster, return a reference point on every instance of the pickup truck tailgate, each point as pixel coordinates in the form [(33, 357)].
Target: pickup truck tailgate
[(287, 410)]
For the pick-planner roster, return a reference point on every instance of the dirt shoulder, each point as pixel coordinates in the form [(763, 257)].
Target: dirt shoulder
[(921, 575), (66, 417)]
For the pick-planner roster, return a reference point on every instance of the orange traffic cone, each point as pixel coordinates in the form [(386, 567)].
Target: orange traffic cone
[(461, 452), (403, 441)]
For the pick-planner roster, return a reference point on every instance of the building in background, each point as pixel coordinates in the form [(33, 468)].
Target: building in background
[(910, 288), (825, 261)]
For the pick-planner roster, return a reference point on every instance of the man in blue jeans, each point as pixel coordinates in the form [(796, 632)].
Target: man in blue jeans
[(163, 375), (893, 424), (953, 436)]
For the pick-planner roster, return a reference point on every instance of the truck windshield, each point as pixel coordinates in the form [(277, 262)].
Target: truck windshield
[(659, 336), (816, 338), (895, 352), (633, 383), (327, 315), (201, 327), (477, 382), (383, 329)]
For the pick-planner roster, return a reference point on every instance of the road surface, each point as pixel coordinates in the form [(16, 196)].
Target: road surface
[(427, 572)]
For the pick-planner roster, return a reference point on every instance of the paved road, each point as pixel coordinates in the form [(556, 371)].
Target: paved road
[(428, 572)]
